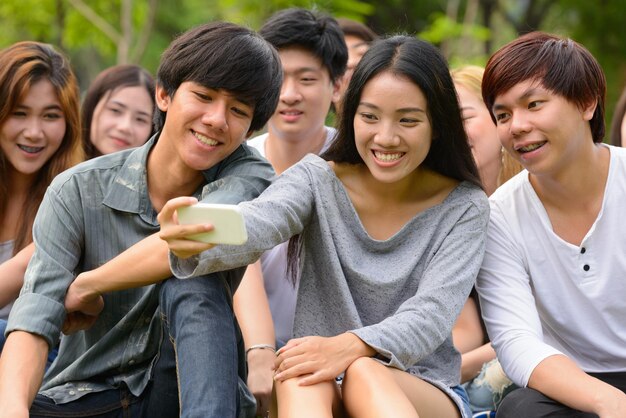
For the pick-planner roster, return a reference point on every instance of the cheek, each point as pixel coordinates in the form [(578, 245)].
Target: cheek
[(142, 133), (55, 132)]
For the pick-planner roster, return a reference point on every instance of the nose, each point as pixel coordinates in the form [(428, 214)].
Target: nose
[(519, 124), (126, 122), (386, 136), (215, 115), (290, 93), (34, 129)]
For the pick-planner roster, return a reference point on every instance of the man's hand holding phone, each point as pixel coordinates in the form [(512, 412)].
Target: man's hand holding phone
[(190, 227)]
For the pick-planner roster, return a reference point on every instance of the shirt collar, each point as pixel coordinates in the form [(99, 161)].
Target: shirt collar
[(129, 188)]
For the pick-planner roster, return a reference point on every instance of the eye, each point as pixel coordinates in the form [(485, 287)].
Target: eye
[(502, 117), (19, 114), (308, 80), (368, 117), (202, 96), (142, 120), (52, 116), (534, 104), (240, 111), (115, 110), (409, 121)]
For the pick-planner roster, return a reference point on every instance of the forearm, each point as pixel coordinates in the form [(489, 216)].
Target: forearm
[(12, 274), (143, 264), (561, 379), (21, 372), (252, 308), (473, 361)]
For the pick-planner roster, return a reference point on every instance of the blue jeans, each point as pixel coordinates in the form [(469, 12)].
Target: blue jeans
[(198, 316), (158, 400), (201, 362)]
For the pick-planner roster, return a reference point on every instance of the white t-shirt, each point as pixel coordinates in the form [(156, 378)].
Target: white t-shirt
[(281, 294), (541, 295)]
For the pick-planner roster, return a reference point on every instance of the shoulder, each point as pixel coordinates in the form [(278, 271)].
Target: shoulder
[(99, 167), (514, 189), (468, 194)]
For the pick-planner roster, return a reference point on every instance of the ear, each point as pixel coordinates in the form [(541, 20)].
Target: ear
[(249, 134), (337, 89), (162, 98), (589, 110)]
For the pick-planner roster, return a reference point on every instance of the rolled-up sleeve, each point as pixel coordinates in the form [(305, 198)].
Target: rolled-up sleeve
[(57, 236)]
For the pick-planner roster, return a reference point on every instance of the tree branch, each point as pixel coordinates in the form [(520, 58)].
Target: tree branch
[(96, 20)]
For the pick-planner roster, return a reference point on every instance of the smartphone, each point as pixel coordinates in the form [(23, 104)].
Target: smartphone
[(227, 220)]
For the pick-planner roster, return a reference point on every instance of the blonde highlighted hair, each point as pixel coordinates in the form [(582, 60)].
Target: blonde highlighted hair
[(471, 77)]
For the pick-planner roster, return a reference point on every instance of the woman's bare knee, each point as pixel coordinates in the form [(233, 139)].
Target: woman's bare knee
[(294, 400)]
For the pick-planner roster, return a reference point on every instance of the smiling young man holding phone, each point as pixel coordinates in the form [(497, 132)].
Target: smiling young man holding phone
[(150, 346)]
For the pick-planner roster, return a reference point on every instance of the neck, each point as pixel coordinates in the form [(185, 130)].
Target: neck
[(580, 181), (20, 183), (489, 175), (283, 152), (169, 177)]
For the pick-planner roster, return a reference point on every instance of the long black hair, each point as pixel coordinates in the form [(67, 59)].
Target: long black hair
[(420, 62)]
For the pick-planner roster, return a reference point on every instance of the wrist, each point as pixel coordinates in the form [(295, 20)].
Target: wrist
[(84, 285), (356, 346), (267, 348)]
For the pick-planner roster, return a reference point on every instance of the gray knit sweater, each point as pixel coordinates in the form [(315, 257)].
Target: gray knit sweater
[(401, 296)]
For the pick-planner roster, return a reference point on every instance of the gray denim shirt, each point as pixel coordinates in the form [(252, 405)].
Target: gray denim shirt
[(90, 214)]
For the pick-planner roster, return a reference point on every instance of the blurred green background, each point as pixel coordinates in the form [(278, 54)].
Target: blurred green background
[(98, 33)]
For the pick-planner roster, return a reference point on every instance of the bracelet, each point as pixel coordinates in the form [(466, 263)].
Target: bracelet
[(260, 347)]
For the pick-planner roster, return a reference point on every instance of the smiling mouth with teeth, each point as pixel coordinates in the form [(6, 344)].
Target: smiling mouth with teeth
[(203, 139), (388, 157), (30, 150), (531, 147)]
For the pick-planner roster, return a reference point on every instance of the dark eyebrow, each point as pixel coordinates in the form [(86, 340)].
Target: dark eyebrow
[(402, 110), (120, 104), (529, 92)]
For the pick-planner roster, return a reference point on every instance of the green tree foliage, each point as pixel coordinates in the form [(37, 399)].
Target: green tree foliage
[(99, 33)]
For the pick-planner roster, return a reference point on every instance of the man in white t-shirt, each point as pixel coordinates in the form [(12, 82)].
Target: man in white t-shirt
[(313, 55), (553, 280)]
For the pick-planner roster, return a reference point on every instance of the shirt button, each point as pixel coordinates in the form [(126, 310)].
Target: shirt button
[(72, 392), (586, 267), (583, 250), (133, 361)]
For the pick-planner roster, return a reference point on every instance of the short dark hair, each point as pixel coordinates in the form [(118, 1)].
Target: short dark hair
[(311, 30), (424, 65), (561, 65), (112, 78), (224, 56), (357, 29), (618, 117)]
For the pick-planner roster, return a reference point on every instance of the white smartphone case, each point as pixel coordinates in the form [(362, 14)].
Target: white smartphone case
[(228, 223)]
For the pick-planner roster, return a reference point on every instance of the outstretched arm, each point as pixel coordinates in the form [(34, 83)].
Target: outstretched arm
[(143, 264)]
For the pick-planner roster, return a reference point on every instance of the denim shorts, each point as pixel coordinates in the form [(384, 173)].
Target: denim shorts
[(459, 390)]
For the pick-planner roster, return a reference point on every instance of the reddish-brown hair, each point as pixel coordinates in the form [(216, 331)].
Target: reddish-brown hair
[(561, 65), (22, 65)]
